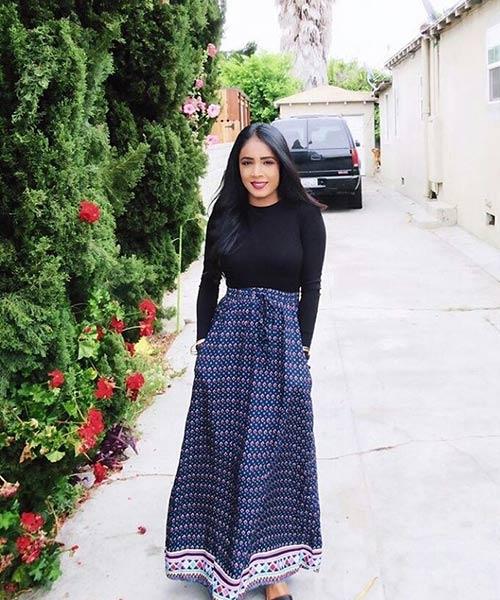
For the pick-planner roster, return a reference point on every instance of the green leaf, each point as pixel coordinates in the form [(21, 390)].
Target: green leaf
[(70, 408), (87, 348), (55, 455), (8, 519)]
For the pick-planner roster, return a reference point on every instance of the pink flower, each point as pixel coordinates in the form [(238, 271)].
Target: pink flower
[(7, 490), (202, 106), (189, 107), (211, 50), (199, 83), (213, 110), (211, 139)]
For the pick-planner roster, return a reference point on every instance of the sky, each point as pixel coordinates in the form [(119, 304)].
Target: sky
[(367, 30)]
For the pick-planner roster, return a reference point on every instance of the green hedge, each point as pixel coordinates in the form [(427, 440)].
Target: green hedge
[(99, 167)]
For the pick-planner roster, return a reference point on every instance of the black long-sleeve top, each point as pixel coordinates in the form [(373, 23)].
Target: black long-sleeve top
[(283, 248)]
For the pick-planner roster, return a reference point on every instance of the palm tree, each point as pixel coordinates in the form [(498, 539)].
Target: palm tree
[(306, 34), (431, 11)]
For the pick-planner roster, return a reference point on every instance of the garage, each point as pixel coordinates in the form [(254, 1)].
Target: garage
[(356, 125), (357, 108)]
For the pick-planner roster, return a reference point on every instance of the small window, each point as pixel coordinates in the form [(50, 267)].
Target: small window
[(493, 48), (327, 133), (294, 132)]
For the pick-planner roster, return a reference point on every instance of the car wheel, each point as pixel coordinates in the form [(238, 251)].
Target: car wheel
[(357, 201)]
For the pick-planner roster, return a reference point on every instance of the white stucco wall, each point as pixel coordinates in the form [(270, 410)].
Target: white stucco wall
[(365, 109), (470, 124), (464, 151), (402, 130)]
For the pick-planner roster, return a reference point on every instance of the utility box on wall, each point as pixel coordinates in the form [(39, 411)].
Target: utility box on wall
[(234, 114)]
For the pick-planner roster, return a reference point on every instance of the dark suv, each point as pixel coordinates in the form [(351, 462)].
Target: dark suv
[(325, 155)]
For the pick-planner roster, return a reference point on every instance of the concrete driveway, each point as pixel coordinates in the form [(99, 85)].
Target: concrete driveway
[(406, 390)]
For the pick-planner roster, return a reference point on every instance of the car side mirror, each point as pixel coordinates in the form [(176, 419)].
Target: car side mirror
[(357, 143)]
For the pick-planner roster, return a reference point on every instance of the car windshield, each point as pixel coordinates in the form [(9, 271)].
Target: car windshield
[(294, 133), (327, 133)]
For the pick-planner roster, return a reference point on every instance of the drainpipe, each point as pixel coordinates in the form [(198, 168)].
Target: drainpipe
[(426, 108)]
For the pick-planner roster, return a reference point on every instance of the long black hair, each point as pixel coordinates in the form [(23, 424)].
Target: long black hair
[(231, 198)]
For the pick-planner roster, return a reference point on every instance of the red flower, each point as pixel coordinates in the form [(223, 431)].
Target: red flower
[(88, 437), (99, 472), (104, 388), (130, 347), (28, 548), (95, 420), (145, 328), (89, 211), (57, 378), (134, 383), (92, 427), (11, 587), (117, 324), (32, 522), (99, 331), (148, 307)]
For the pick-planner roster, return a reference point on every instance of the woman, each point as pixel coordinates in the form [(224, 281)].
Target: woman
[(244, 508)]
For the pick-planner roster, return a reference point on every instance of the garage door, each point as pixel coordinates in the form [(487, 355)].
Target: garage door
[(355, 123)]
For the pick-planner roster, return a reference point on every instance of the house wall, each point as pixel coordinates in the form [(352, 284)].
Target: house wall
[(470, 124), (464, 127), (365, 110), (402, 138)]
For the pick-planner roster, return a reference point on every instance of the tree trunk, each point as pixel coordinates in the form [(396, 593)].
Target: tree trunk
[(306, 34)]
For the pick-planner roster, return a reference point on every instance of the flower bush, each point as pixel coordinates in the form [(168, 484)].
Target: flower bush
[(88, 407), (98, 170), (200, 115)]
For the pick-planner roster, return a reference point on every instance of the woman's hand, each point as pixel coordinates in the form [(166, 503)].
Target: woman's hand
[(197, 345)]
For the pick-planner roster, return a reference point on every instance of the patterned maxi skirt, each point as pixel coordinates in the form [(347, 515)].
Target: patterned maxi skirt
[(244, 506)]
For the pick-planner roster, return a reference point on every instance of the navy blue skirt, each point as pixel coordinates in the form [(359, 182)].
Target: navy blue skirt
[(244, 507)]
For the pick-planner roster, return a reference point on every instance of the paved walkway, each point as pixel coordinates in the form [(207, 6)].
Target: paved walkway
[(406, 389)]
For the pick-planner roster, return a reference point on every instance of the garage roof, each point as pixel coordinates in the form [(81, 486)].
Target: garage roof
[(326, 93)]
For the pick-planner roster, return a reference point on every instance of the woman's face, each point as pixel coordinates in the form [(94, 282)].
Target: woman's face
[(259, 165)]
